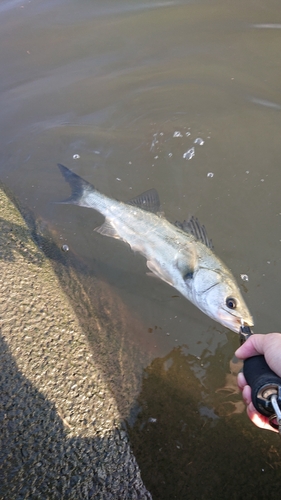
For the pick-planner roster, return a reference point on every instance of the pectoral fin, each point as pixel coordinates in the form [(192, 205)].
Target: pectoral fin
[(186, 261)]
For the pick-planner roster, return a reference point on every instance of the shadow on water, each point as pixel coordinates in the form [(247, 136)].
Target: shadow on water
[(14, 238), (187, 449)]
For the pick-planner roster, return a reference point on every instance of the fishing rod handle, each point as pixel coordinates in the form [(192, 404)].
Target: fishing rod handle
[(264, 384), (263, 381)]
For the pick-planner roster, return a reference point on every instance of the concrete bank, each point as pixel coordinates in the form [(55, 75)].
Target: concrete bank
[(61, 433)]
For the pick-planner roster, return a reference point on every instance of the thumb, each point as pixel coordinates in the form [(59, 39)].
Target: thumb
[(253, 346), (269, 345)]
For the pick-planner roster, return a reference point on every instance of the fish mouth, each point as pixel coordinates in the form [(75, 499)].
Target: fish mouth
[(234, 322), (246, 324)]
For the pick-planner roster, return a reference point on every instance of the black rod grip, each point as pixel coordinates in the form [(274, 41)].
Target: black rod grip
[(258, 375)]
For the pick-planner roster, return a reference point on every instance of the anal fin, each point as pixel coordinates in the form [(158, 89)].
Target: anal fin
[(107, 229)]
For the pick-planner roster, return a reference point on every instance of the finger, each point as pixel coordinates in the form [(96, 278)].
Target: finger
[(241, 381), (247, 394), (259, 420)]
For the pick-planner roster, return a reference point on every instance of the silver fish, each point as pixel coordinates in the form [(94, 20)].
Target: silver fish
[(180, 254)]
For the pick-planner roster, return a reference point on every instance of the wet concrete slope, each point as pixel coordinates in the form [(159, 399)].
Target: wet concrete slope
[(61, 431)]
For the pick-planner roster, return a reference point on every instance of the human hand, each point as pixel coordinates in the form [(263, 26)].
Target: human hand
[(270, 346)]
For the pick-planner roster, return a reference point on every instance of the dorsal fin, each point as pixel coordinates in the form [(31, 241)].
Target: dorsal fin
[(193, 226), (149, 201)]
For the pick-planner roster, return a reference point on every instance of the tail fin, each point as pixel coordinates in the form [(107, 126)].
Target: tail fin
[(77, 184)]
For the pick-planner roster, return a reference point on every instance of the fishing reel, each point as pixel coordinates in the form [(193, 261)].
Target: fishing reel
[(265, 384)]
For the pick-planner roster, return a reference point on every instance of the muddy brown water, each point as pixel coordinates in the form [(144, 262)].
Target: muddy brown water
[(184, 97)]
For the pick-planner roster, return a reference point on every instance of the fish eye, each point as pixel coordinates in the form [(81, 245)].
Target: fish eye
[(231, 303)]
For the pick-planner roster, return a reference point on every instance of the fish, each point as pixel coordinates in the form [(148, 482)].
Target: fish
[(180, 254)]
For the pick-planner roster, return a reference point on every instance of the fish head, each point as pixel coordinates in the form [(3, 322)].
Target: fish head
[(217, 294)]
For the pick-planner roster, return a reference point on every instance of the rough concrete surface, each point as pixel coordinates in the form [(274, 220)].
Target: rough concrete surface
[(61, 431)]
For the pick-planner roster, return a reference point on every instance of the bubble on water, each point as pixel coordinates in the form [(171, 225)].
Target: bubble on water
[(156, 157), (177, 134), (199, 141), (152, 420), (244, 277), (210, 174), (75, 157), (65, 248), (118, 179), (247, 171), (187, 134), (189, 154), (170, 154), (262, 180)]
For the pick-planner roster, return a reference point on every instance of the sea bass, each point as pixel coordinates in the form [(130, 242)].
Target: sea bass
[(179, 254)]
